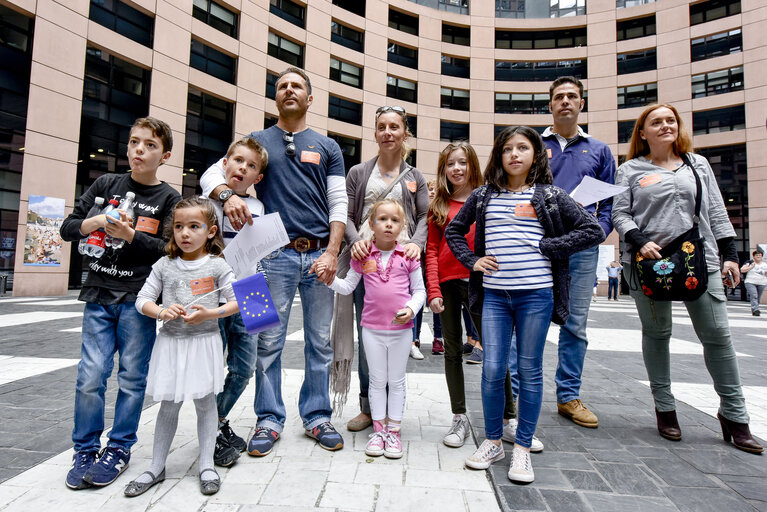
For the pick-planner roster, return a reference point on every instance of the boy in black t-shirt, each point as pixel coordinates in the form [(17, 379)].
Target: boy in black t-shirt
[(111, 322)]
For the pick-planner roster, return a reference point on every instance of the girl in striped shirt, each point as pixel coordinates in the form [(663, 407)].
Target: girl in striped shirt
[(526, 229)]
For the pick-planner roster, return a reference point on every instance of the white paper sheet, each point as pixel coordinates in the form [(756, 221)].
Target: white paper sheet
[(253, 242), (591, 190)]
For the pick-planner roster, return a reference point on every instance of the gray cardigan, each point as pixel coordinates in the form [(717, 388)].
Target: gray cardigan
[(416, 203)]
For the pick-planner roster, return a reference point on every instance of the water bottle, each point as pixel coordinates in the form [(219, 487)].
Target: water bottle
[(96, 244), (95, 210), (126, 206)]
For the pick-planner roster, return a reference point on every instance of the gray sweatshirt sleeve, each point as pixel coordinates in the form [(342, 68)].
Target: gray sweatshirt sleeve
[(623, 221)]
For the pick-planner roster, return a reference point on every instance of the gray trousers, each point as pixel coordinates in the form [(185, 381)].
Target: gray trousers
[(754, 295), (709, 319)]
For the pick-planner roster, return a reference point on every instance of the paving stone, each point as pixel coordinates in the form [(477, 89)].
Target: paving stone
[(752, 488), (675, 472), (516, 497), (348, 496), (561, 460), (720, 463), (694, 499), (585, 480), (564, 501), (614, 456), (419, 499), (611, 503), (627, 479)]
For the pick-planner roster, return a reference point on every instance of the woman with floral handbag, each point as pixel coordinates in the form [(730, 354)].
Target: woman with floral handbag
[(674, 226)]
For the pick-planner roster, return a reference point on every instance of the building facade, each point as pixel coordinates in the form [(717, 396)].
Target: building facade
[(76, 73)]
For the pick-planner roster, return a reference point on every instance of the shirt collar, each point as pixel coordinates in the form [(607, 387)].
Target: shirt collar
[(548, 132), (397, 248)]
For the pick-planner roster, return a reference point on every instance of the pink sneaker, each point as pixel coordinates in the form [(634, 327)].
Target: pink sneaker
[(393, 444), (376, 444)]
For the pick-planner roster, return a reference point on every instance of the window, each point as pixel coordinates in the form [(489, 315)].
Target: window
[(346, 36), (539, 9), (540, 39), (412, 158), (269, 121), (456, 99), (350, 148), (713, 10), (509, 8), (497, 129), (715, 45), (286, 50), (213, 62), (451, 132), (412, 124), (209, 129), (216, 15), (719, 120), (290, 11), (403, 22), (344, 110), (459, 6), (401, 89), (625, 128), (402, 55), (637, 95), (355, 6), (123, 19), (525, 103), (717, 82), (271, 85), (562, 8), (456, 35), (638, 27), (345, 73), (455, 66), (631, 3), (635, 62), (542, 71)]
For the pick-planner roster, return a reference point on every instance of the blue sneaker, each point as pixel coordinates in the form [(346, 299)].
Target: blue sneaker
[(327, 436), (81, 463), (262, 441), (112, 461)]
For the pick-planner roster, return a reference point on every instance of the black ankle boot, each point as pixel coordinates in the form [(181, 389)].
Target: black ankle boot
[(740, 434), (668, 426)]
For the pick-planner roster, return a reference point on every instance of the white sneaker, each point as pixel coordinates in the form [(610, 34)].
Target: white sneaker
[(510, 435), (486, 454), (456, 436), (521, 469), (415, 353)]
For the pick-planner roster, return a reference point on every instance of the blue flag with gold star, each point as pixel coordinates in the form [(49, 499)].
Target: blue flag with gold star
[(255, 302)]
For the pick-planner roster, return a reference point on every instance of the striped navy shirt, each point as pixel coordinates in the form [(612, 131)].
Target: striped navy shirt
[(513, 234)]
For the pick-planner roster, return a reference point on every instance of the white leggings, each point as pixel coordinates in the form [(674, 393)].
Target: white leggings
[(387, 352)]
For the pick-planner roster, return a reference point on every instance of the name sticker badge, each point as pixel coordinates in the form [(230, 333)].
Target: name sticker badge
[(147, 225), (412, 186), (649, 180), (525, 210), (548, 152), (311, 157), (369, 266), (202, 285)]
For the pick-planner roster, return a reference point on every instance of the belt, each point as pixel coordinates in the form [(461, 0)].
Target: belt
[(303, 244)]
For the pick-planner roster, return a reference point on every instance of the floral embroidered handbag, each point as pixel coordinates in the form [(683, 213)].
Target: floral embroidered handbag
[(681, 273)]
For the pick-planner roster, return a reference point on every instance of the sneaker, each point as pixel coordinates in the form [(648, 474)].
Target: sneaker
[(81, 463), (327, 436), (578, 413), (755, 313), (521, 469), (111, 463), (233, 439), (476, 356), (437, 347), (224, 454), (376, 444), (486, 454), (510, 435), (415, 352), (392, 444), (458, 432), (262, 441), (467, 348)]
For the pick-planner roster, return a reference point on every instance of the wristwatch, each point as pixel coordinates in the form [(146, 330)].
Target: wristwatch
[(225, 194)]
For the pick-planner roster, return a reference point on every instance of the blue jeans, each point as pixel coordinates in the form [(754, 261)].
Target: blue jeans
[(612, 288), (754, 295), (417, 321), (572, 335), (241, 361), (287, 270), (468, 324), (108, 329), (437, 323), (528, 313)]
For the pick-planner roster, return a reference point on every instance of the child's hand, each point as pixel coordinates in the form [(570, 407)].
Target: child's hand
[(487, 265), (200, 314), (122, 228), (171, 313), (436, 305), (403, 316)]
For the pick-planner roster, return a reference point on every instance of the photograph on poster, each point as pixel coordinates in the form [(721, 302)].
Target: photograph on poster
[(42, 246)]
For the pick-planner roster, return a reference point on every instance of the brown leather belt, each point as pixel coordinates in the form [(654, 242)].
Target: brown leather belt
[(303, 244)]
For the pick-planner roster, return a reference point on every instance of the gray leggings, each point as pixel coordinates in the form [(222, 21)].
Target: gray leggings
[(709, 319)]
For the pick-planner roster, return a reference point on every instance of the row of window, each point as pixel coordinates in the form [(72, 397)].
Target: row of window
[(708, 121)]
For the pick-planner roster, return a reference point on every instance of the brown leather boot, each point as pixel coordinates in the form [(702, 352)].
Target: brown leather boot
[(740, 434), (668, 426)]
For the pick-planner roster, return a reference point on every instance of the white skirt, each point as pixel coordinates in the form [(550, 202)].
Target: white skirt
[(186, 368)]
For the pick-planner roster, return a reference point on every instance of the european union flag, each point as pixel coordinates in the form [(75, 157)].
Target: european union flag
[(255, 302)]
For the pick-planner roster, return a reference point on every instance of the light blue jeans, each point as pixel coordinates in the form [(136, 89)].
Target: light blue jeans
[(108, 329), (754, 295), (240, 359), (287, 270)]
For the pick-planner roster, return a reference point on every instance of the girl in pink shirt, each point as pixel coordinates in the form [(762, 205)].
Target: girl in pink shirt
[(394, 291)]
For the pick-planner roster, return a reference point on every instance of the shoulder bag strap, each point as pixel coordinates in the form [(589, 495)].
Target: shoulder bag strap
[(388, 189), (698, 187)]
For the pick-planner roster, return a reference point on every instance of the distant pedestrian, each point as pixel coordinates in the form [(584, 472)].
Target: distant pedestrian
[(526, 229), (756, 279), (613, 279), (658, 207)]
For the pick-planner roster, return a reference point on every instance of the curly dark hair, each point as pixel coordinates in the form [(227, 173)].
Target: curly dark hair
[(540, 172), (213, 246)]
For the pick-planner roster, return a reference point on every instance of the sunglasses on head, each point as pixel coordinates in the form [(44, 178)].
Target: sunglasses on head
[(290, 147), (396, 108)]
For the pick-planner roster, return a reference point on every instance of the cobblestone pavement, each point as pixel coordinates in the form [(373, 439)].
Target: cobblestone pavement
[(622, 465)]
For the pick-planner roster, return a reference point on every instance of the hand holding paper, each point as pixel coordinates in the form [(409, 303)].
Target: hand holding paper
[(253, 242)]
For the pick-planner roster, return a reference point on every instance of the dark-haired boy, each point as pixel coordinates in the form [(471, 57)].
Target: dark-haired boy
[(111, 322)]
